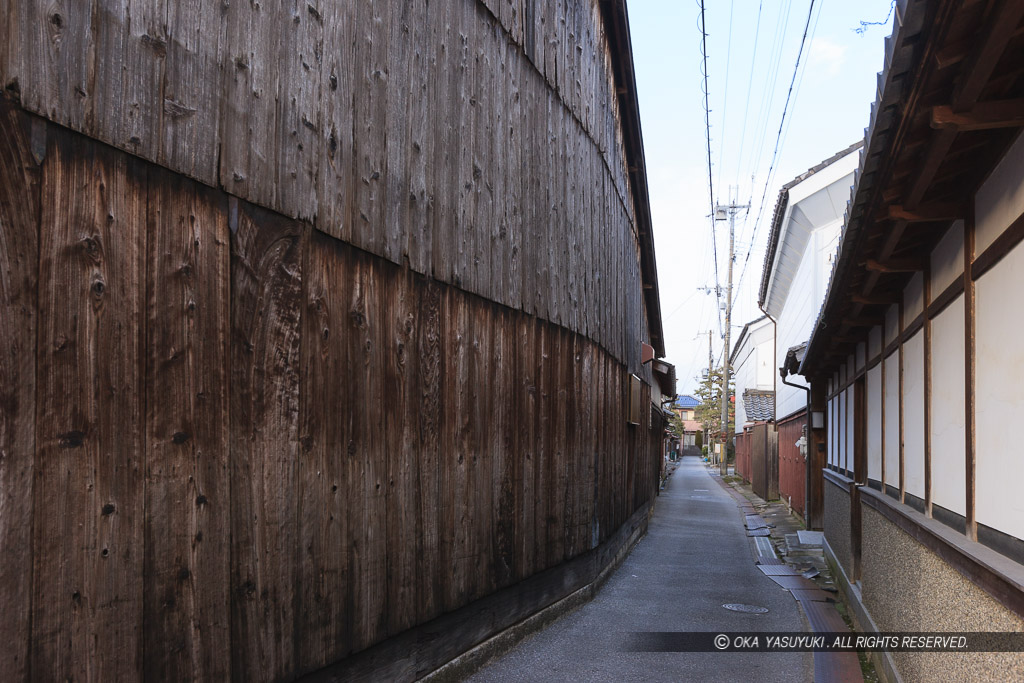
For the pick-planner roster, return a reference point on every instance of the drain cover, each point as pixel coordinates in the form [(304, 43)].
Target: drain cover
[(749, 609)]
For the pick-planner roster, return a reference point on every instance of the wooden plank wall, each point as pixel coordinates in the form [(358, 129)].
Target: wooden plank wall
[(478, 140), (237, 447)]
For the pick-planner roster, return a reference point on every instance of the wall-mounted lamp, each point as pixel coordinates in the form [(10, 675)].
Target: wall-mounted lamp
[(817, 419)]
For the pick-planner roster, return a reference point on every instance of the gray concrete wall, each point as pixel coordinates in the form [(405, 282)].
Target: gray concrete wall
[(837, 525), (906, 587)]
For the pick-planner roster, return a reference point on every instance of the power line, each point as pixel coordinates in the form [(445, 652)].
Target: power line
[(725, 90), (750, 83), (707, 136), (778, 136)]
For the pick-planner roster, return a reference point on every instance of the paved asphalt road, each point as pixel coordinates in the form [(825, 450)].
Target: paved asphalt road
[(695, 557)]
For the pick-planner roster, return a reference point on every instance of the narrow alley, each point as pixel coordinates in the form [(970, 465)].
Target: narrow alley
[(695, 558)]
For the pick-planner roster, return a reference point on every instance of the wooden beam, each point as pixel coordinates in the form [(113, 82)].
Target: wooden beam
[(864, 321), (897, 265), (874, 300), (949, 211), (983, 116)]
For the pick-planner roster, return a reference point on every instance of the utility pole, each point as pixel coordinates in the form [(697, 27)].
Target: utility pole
[(721, 213), (711, 367)]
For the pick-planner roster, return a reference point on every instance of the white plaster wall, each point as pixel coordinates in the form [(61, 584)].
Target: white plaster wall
[(947, 423), (860, 357), (873, 384), (752, 368), (742, 374), (948, 258), (913, 298), (798, 315), (1000, 200), (874, 342), (848, 427), (831, 432), (892, 323), (913, 414), (999, 404), (892, 419)]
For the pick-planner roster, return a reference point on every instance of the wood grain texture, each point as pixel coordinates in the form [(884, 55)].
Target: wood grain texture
[(187, 501), (189, 109), (251, 147), (19, 265), (454, 137), (370, 123), (88, 522), (328, 492), (337, 83), (266, 290)]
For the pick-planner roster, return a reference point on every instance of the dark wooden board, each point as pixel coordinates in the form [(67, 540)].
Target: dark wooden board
[(187, 501), (266, 295), (88, 492), (19, 263)]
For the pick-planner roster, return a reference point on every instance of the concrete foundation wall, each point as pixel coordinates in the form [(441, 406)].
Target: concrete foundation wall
[(906, 587), (837, 524)]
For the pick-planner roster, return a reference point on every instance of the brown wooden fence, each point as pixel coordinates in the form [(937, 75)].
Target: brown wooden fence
[(235, 447), (743, 455), (792, 464)]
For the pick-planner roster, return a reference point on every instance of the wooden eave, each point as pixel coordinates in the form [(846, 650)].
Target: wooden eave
[(941, 54)]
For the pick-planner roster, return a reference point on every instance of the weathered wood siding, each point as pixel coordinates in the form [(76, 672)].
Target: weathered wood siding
[(479, 141), (237, 447)]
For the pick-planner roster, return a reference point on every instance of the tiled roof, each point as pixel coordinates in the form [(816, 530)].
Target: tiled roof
[(687, 401), (759, 405)]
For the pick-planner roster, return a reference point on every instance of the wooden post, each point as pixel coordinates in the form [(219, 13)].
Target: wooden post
[(970, 376)]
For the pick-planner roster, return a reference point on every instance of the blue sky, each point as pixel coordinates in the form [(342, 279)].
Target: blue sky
[(828, 111)]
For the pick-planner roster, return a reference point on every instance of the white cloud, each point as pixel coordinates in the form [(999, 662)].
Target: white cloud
[(826, 58)]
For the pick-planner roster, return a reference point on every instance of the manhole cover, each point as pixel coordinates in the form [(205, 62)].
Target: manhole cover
[(749, 609)]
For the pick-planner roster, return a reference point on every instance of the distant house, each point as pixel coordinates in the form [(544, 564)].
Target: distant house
[(753, 369), (692, 437), (806, 227), (915, 361)]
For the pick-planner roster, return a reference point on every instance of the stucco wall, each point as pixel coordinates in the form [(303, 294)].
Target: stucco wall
[(837, 525), (906, 587)]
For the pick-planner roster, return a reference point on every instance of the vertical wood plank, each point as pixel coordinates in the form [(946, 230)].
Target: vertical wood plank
[(187, 503), (502, 446), (430, 347), (299, 64), (266, 295), (401, 429), (370, 124), (398, 114), (19, 263), (192, 85), (479, 455), (335, 181), (421, 138), (249, 151), (366, 349), (443, 179), (326, 489), (54, 78), (513, 168), (465, 90), (87, 531), (526, 445)]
